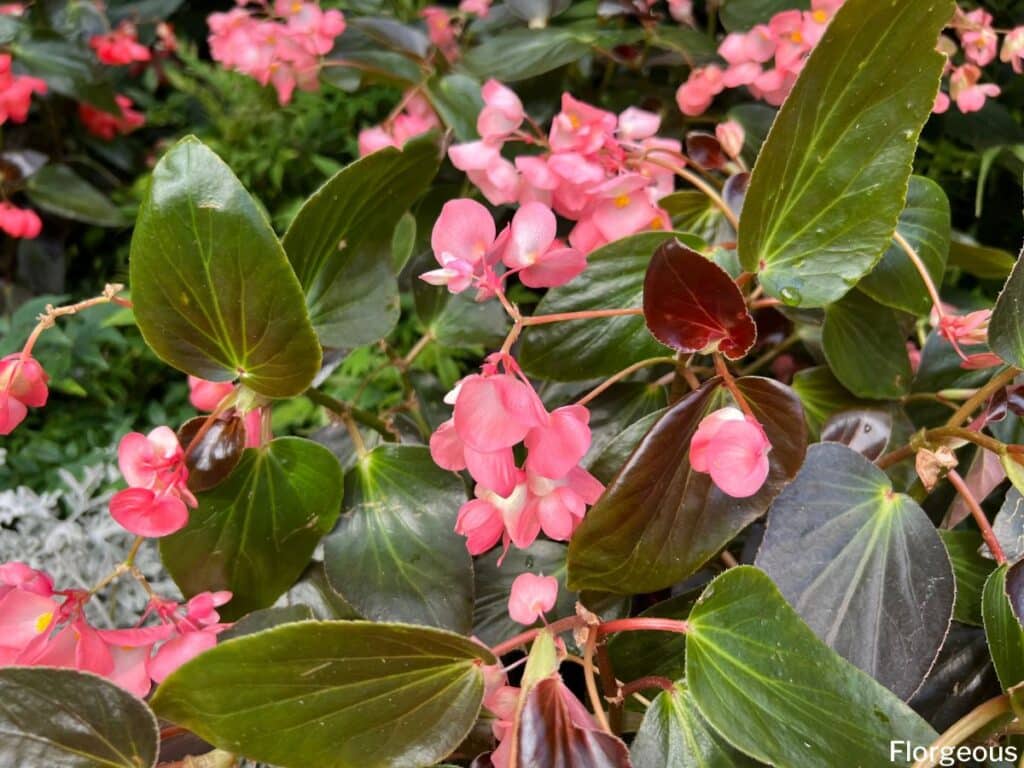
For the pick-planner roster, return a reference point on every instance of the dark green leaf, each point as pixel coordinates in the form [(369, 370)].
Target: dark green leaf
[(979, 260), (1004, 632), (674, 733), (254, 533), (641, 654), (765, 682), (658, 520), (831, 180), (924, 224), (395, 555), (266, 618), (865, 431), (465, 322), (694, 46), (865, 347), (971, 571), (491, 622), (458, 101), (614, 455), (822, 396), (60, 718), (692, 211), (741, 15), (1006, 329), (1009, 526), (69, 69), (862, 565), (60, 191), (340, 241), (214, 295), (584, 349), (332, 694)]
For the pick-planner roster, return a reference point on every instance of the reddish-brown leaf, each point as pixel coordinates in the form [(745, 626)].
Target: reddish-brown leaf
[(692, 305), (217, 451), (705, 150)]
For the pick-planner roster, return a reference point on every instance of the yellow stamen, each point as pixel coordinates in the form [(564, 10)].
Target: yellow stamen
[(622, 201), (43, 622), (796, 36), (820, 16)]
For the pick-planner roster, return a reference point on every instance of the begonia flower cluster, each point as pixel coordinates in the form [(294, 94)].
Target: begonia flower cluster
[(414, 117), (120, 46), (16, 92), (107, 126), (40, 626), (23, 385), (494, 412), (19, 222), (280, 44)]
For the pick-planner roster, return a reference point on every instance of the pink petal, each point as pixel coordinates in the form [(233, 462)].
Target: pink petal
[(496, 471), (557, 267), (179, 650), (556, 447), (531, 597), (465, 230), (140, 511), (446, 448), (707, 430), (533, 230), (481, 524), (12, 413), (494, 412)]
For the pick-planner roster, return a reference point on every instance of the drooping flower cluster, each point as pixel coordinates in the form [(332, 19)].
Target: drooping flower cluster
[(19, 222), (414, 118), (280, 45), (107, 126), (493, 413), (43, 627), (22, 386), (766, 59), (468, 250), (157, 499), (16, 92), (979, 42), (733, 448), (602, 171), (966, 330), (120, 46)]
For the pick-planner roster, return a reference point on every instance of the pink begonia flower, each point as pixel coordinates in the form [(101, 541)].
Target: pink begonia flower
[(462, 240), (19, 222), (107, 126), (495, 412), (24, 616), (696, 94), (755, 46), (533, 251), (979, 39), (207, 395), (626, 207), (581, 127), (16, 92), (537, 180), (23, 385), (477, 7), (155, 503), (416, 118), (731, 136), (502, 113), (559, 505), (120, 46), (941, 103), (531, 597), (310, 26), (971, 328), (18, 575), (733, 449), (441, 31), (635, 124), (557, 445), (482, 162), (1012, 51), (965, 90)]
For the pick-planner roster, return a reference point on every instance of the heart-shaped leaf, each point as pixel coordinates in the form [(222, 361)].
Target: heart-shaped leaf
[(548, 735), (692, 305), (60, 718), (1006, 328), (342, 694), (212, 457), (862, 565), (971, 570), (254, 533), (769, 686), (394, 555), (583, 349), (658, 520), (674, 733), (822, 396), (831, 179), (213, 293), (865, 347), (925, 224), (1003, 631), (339, 242), (865, 431)]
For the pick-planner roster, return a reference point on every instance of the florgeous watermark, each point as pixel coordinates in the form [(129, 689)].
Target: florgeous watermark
[(904, 752)]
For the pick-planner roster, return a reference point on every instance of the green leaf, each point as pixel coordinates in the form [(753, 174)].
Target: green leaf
[(865, 347), (68, 68), (59, 190), (694, 46), (767, 684), (458, 101), (254, 533), (395, 555), (658, 521), (924, 224), (464, 322), (862, 565), (1004, 633), (674, 733), (584, 349), (979, 260), (213, 293), (741, 15), (491, 622), (642, 654), (831, 180), (692, 211), (339, 243), (348, 694), (821, 395), (614, 455), (60, 718), (971, 570), (1006, 329)]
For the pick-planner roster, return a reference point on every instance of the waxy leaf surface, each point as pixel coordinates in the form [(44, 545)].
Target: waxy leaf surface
[(1006, 328), (213, 292), (1003, 631)]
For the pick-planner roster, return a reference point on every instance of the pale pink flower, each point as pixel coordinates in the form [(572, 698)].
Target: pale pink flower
[(1013, 49), (23, 385), (625, 207), (492, 174), (462, 239), (636, 124), (730, 135), (532, 250), (681, 11), (965, 90), (17, 575), (558, 444), (581, 127), (558, 506), (495, 412), (532, 596), (477, 7), (979, 39), (207, 395), (757, 46), (696, 94), (733, 449), (941, 103), (502, 113), (441, 31)]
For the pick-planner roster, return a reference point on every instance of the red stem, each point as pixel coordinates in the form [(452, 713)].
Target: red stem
[(641, 623), (979, 516), (643, 683)]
